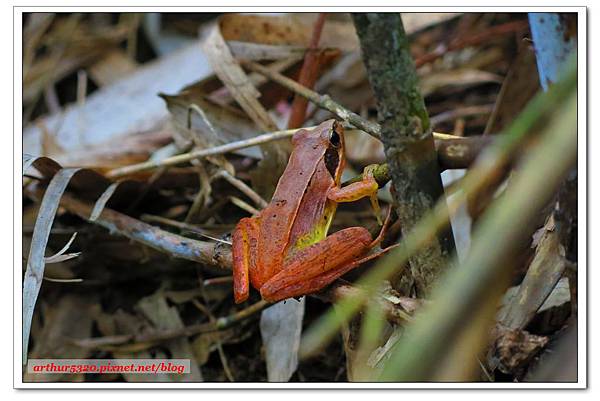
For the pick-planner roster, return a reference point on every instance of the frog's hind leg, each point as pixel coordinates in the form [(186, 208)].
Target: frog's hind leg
[(321, 281), (314, 267), (244, 250), (317, 266)]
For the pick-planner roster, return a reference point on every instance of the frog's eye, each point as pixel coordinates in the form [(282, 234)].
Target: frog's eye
[(334, 139)]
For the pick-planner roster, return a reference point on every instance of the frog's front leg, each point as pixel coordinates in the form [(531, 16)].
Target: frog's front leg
[(313, 268), (244, 252), (357, 190)]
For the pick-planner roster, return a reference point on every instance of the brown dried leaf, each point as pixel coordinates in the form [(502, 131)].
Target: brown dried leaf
[(542, 276), (69, 318), (165, 317), (514, 348), (235, 79), (246, 95)]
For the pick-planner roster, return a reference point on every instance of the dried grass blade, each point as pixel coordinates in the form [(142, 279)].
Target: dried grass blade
[(60, 256), (35, 262), (103, 200)]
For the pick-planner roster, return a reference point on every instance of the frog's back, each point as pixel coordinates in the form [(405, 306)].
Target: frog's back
[(277, 219)]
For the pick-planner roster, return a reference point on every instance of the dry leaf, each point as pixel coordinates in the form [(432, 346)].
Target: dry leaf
[(280, 328)]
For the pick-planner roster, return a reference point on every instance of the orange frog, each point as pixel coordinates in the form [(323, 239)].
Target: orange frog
[(285, 251)]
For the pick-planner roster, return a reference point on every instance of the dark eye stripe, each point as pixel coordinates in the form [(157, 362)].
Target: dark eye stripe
[(332, 160), (334, 139)]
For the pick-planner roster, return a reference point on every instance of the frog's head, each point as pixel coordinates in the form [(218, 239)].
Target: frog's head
[(326, 139)]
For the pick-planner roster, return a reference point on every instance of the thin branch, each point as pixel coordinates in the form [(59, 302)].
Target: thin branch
[(323, 101), (186, 157), (245, 189), (222, 356), (472, 40), (149, 218), (454, 153), (461, 112), (218, 280), (243, 205), (229, 147), (63, 280), (146, 340), (163, 241)]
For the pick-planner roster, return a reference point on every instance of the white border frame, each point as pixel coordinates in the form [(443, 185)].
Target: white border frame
[(582, 358)]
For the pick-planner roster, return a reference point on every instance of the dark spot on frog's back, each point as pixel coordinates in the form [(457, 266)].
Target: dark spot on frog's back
[(280, 202)]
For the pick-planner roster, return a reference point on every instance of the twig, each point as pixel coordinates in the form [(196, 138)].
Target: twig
[(203, 194), (160, 240), (471, 40), (63, 280), (157, 336), (461, 112), (243, 205), (323, 101), (222, 356), (186, 157), (455, 153), (181, 225), (221, 149), (354, 119), (245, 189), (218, 280), (461, 153), (81, 87), (51, 99)]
